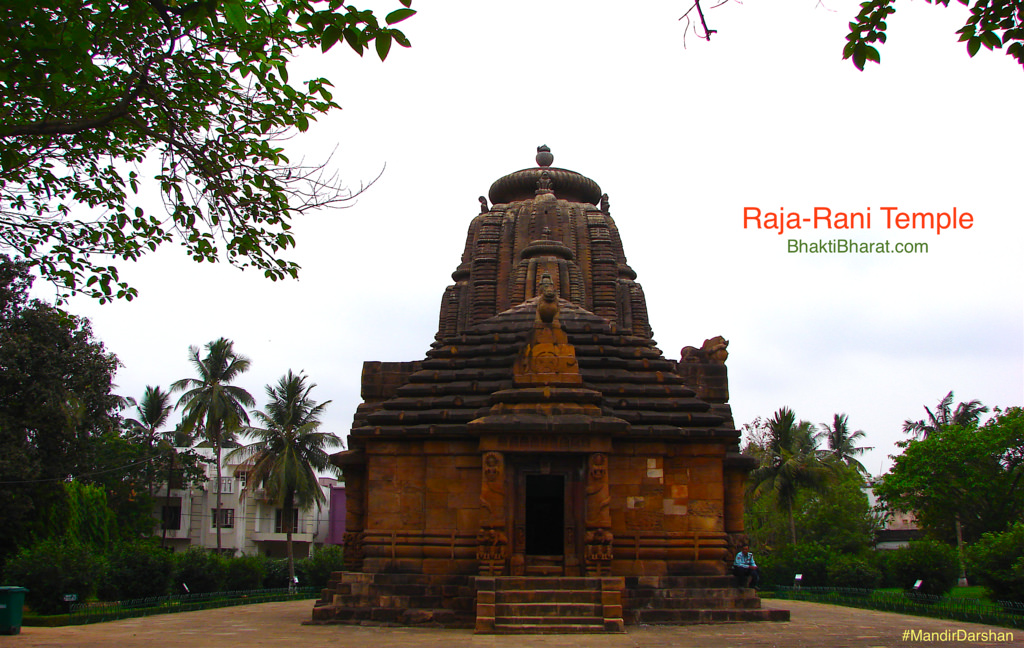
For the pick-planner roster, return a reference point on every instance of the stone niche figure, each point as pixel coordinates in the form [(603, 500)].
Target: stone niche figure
[(492, 541), (599, 520)]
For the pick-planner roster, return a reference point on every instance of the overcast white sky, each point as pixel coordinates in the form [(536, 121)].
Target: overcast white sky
[(765, 115)]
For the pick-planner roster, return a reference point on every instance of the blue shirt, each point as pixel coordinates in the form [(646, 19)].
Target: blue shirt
[(744, 560)]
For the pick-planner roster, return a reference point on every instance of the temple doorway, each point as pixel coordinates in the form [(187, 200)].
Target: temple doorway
[(545, 515)]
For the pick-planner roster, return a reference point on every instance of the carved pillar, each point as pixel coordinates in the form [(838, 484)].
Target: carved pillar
[(492, 550), (355, 516), (598, 552)]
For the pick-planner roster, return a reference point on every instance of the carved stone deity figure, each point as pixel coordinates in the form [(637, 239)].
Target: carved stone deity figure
[(492, 548), (599, 537)]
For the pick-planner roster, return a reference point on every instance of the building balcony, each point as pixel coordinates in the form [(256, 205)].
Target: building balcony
[(266, 536), (260, 494), (174, 534)]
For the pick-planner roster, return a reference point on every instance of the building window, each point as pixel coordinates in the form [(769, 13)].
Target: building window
[(241, 479), (171, 517), (279, 519), (227, 485), (225, 519)]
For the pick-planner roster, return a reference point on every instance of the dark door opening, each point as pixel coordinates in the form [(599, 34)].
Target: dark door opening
[(545, 515)]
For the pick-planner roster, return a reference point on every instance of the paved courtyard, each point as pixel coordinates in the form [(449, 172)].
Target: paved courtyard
[(279, 625)]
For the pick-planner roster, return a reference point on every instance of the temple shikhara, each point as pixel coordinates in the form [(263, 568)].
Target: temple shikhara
[(545, 467)]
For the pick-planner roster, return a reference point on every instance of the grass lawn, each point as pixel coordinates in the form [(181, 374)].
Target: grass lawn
[(971, 592)]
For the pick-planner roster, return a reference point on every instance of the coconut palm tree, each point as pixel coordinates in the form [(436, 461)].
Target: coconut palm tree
[(965, 415), (211, 404), (288, 451), (842, 443), (153, 411), (790, 460)]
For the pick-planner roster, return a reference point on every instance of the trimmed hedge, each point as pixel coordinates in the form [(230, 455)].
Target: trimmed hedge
[(245, 572), (317, 569), (136, 570), (51, 569), (143, 570), (198, 571)]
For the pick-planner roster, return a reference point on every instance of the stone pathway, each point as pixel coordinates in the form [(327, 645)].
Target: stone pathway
[(279, 625)]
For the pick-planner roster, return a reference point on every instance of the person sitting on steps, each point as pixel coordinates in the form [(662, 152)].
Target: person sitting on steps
[(744, 568)]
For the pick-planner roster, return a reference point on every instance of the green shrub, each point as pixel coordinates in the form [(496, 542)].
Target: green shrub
[(933, 563), (276, 575), (316, 570), (882, 561), (245, 573), (51, 569), (997, 562), (137, 570), (853, 571), (200, 570), (781, 566)]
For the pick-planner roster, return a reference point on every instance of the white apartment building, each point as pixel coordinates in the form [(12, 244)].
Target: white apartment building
[(249, 522)]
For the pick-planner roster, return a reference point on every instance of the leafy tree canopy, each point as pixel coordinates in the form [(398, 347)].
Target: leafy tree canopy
[(974, 473), (965, 415), (289, 450), (842, 442), (837, 516), (96, 91), (789, 460), (992, 24), (55, 402), (211, 403)]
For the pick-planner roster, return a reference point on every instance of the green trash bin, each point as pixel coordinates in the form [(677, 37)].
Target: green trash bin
[(12, 600)]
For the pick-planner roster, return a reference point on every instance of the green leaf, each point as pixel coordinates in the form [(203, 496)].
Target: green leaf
[(858, 59), (234, 13), (401, 39), (352, 38), (973, 45), (330, 37), (398, 15), (383, 45)]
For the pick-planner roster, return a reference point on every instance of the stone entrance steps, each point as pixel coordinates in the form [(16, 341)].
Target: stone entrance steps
[(545, 566), (535, 605), (682, 600)]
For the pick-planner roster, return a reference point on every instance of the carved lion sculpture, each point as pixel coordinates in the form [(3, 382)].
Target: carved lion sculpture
[(715, 349)]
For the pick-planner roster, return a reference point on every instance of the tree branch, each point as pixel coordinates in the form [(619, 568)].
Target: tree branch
[(119, 110)]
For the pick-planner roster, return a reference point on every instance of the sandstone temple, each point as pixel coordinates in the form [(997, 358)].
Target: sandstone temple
[(545, 467)]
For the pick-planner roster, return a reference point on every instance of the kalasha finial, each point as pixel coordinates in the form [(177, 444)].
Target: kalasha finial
[(544, 157)]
